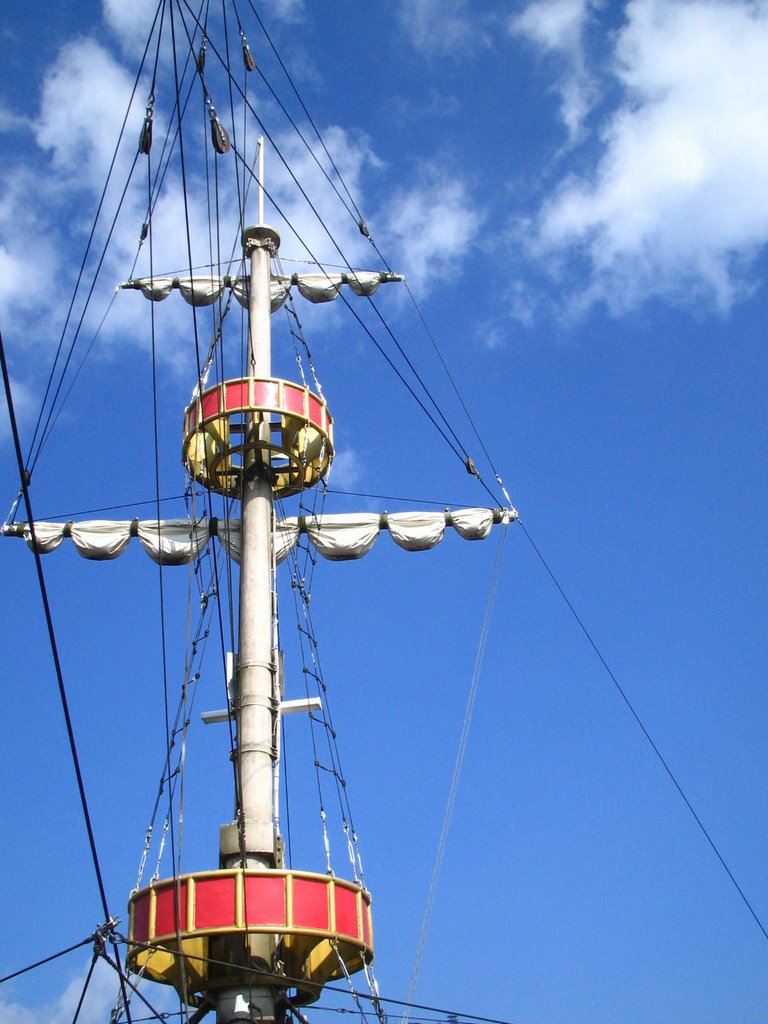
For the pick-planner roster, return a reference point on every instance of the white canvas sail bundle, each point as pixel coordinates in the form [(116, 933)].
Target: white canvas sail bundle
[(336, 537), (204, 290)]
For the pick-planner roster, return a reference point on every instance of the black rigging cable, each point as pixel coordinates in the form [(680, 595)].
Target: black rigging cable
[(24, 478), (660, 757), (47, 959)]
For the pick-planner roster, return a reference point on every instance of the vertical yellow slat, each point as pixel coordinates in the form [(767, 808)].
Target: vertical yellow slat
[(331, 896), (190, 903), (152, 914), (288, 883), (240, 899)]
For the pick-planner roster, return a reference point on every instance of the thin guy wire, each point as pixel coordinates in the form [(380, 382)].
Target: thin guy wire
[(448, 816), (645, 732)]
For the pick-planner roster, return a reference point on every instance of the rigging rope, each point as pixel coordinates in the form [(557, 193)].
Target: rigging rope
[(46, 960), (639, 722), (447, 817), (23, 476)]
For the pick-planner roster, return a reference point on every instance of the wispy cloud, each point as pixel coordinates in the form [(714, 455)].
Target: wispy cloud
[(289, 11), (347, 472), (10, 121), (431, 226), (676, 205), (130, 22), (99, 999), (24, 407), (440, 27), (557, 27)]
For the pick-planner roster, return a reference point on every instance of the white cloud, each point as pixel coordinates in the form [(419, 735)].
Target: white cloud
[(346, 472), (84, 97), (130, 21), (557, 27), (99, 999), (289, 11), (76, 130), (432, 227), (677, 204), (11, 122), (439, 27)]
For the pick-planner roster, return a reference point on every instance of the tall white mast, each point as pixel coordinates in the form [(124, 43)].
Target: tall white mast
[(250, 842)]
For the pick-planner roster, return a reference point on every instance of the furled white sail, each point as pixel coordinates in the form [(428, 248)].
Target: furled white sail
[(336, 537), (204, 290)]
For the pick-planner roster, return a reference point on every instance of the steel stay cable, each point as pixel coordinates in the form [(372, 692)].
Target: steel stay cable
[(47, 959), (24, 477), (336, 770), (125, 980), (660, 757), (449, 375), (161, 583), (309, 149), (86, 983), (302, 599), (240, 201), (458, 765)]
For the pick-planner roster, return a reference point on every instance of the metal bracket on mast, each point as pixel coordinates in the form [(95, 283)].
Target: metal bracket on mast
[(261, 236), (287, 707)]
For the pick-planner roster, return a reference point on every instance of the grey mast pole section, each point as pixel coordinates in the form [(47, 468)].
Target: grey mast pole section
[(256, 693), (251, 841)]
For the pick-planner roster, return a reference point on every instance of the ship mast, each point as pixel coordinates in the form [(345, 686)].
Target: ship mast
[(251, 841), (240, 938)]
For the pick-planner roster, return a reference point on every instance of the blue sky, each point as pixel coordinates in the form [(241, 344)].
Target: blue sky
[(577, 194)]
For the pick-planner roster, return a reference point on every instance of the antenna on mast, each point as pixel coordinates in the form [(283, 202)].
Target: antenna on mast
[(260, 176)]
